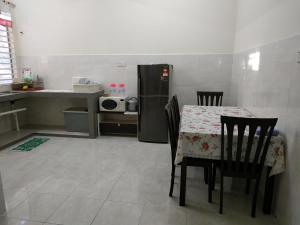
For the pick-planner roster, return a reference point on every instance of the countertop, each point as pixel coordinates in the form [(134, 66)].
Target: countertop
[(16, 95)]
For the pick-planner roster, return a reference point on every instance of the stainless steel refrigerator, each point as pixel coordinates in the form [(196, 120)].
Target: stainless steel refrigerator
[(153, 95)]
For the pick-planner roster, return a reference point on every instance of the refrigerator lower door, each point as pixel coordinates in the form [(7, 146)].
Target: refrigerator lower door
[(152, 124)]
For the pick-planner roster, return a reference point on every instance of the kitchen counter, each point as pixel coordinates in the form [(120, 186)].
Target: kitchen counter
[(11, 96), (92, 100), (15, 95)]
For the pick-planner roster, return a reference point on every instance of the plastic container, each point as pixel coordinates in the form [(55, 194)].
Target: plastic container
[(76, 119), (85, 85), (87, 88)]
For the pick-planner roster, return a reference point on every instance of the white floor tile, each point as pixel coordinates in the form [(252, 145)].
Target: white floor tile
[(111, 181), (76, 211), (14, 196), (116, 213), (38, 207), (11, 221), (97, 189), (58, 186), (163, 214)]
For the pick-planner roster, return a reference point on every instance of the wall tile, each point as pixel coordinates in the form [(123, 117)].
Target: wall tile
[(274, 91), (194, 72)]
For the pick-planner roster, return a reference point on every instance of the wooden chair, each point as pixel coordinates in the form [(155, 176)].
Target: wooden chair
[(209, 98), (176, 111), (170, 115), (247, 159)]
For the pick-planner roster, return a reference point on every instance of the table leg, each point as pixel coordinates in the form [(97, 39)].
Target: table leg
[(269, 192), (92, 111), (183, 181)]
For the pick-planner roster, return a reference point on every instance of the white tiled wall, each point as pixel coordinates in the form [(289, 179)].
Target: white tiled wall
[(274, 91), (191, 72)]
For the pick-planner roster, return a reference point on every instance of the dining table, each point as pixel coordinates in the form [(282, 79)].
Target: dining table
[(200, 138)]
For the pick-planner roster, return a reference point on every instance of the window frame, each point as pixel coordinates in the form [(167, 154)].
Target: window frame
[(10, 53)]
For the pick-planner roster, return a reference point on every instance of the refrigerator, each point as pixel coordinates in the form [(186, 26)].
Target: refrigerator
[(153, 95)]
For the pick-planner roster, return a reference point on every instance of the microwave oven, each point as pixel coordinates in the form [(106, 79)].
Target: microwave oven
[(112, 104)]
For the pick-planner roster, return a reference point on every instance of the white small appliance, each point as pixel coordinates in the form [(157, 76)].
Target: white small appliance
[(112, 104)]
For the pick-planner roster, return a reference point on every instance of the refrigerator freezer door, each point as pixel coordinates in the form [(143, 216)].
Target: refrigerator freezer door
[(152, 124), (153, 79)]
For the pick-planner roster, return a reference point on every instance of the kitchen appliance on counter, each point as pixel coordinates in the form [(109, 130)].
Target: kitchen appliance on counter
[(153, 95), (85, 85), (132, 104), (112, 104)]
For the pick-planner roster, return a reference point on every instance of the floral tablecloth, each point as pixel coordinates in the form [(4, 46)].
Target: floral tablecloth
[(200, 135)]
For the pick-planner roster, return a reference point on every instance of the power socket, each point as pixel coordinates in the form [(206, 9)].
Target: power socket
[(298, 57), (121, 64)]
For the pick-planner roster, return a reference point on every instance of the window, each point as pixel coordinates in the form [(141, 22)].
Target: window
[(7, 52)]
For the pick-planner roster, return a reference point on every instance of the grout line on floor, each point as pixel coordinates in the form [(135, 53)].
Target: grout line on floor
[(106, 199), (56, 209)]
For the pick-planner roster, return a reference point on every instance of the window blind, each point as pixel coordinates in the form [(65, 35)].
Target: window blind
[(7, 49)]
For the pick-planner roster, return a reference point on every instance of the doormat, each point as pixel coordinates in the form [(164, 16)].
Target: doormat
[(31, 144)]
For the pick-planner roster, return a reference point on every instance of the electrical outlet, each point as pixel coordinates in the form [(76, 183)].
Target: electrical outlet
[(298, 57), (121, 64)]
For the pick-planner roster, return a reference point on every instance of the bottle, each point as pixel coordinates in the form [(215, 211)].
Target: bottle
[(113, 89), (122, 89)]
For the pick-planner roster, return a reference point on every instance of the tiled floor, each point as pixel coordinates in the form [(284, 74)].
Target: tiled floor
[(109, 181)]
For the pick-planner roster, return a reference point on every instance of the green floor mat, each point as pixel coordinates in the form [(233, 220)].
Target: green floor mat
[(31, 144)]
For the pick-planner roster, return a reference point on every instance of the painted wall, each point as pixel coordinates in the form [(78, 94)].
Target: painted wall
[(260, 22), (55, 27), (273, 90)]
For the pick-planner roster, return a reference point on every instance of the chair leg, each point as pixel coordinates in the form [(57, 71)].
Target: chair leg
[(248, 184), (172, 181), (214, 176), (206, 175), (183, 182), (221, 195), (210, 184), (255, 197)]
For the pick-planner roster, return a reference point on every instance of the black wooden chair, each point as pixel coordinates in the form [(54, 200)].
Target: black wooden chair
[(176, 110), (173, 134), (247, 159), (209, 98)]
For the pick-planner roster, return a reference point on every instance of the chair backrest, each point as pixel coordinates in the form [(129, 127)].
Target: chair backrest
[(172, 129), (209, 98), (176, 112), (245, 158)]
